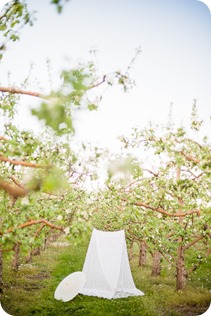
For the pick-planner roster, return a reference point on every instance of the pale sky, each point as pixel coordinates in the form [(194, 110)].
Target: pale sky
[(174, 66)]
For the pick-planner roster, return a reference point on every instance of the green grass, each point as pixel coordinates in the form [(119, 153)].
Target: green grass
[(30, 291)]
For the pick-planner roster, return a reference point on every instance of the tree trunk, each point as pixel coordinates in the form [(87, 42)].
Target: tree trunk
[(156, 265), (181, 273), (1, 272), (142, 254), (131, 250), (36, 251), (28, 257), (15, 260), (44, 244)]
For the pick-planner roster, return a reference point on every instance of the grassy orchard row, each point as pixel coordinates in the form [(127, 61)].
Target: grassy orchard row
[(30, 290), (164, 208)]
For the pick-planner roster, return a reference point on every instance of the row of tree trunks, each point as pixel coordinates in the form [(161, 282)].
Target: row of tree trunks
[(156, 257), (16, 259), (130, 252), (142, 254), (156, 263), (37, 251), (181, 273)]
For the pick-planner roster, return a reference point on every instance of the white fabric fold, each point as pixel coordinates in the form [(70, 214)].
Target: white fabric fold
[(107, 267)]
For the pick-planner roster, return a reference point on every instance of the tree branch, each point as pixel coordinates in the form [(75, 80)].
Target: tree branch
[(6, 12), (162, 211), (194, 176), (33, 222), (23, 163), (152, 172), (190, 158), (190, 141), (97, 84), (3, 138), (14, 191), (17, 183), (131, 184), (194, 242), (40, 95), (39, 230), (165, 257), (20, 91)]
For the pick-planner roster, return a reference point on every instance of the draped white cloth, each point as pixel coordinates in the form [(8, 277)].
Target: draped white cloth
[(107, 267)]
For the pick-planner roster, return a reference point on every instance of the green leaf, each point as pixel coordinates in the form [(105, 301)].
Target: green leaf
[(92, 107)]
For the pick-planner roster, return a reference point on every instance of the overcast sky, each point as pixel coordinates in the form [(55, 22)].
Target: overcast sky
[(174, 66)]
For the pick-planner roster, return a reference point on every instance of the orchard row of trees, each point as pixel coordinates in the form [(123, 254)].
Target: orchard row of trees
[(164, 206)]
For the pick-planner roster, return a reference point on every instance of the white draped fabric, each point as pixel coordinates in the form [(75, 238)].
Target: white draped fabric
[(107, 267)]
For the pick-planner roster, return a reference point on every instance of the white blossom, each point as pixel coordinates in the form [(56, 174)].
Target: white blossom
[(67, 230), (25, 201)]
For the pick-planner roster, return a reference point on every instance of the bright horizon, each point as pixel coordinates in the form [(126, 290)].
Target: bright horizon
[(174, 66)]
